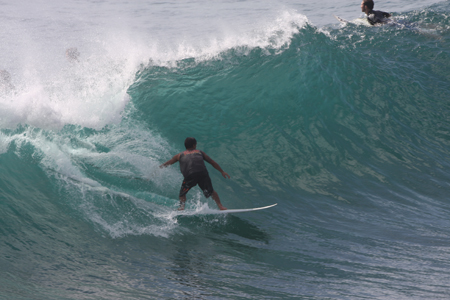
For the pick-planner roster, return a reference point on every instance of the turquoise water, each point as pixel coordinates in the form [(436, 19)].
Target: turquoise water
[(344, 126)]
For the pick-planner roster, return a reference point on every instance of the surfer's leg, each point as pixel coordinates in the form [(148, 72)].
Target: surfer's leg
[(185, 187), (216, 198), (205, 184), (182, 202)]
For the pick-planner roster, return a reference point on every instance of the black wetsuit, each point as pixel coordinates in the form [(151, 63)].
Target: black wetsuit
[(377, 16), (192, 166)]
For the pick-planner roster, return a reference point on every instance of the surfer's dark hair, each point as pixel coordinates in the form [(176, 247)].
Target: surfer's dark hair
[(369, 4), (190, 142)]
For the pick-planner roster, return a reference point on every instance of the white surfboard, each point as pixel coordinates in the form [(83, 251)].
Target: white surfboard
[(357, 21), (340, 19), (209, 211)]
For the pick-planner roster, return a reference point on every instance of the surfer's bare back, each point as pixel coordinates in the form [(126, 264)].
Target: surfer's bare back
[(193, 168)]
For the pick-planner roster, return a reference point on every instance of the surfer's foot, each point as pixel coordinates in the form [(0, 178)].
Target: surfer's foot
[(222, 207), (181, 207)]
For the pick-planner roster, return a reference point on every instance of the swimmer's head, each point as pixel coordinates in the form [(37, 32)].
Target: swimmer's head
[(367, 6), (5, 76), (72, 54)]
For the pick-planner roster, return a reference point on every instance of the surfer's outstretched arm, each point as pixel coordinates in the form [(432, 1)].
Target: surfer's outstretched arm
[(171, 161), (216, 166)]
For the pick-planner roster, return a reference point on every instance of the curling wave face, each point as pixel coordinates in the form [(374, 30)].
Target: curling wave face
[(345, 127)]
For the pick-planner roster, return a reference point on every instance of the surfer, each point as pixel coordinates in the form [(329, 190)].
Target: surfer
[(5, 81), (193, 168), (72, 54), (373, 16)]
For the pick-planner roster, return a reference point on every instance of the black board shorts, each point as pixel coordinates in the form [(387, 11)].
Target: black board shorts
[(203, 181)]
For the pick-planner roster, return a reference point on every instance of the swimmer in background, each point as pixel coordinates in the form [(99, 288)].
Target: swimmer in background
[(5, 81), (374, 16), (72, 54)]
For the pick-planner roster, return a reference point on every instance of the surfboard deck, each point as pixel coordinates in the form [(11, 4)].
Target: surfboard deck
[(221, 212), (340, 19), (357, 21)]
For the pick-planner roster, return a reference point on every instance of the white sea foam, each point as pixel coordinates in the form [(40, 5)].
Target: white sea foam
[(51, 91), (89, 94)]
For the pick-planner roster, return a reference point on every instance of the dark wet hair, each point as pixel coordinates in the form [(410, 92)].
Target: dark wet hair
[(190, 142), (369, 4)]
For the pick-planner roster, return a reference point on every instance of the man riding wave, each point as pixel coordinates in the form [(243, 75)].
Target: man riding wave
[(193, 168)]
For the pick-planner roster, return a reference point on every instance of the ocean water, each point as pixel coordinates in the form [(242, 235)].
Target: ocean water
[(345, 126)]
